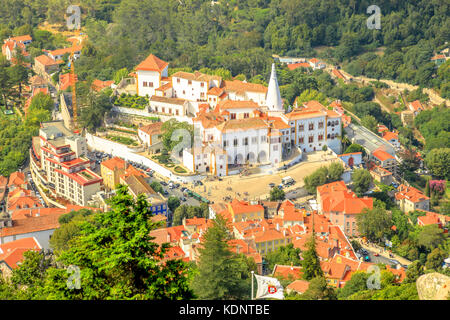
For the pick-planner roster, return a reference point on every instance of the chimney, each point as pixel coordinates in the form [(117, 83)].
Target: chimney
[(278, 227), (168, 237), (292, 265)]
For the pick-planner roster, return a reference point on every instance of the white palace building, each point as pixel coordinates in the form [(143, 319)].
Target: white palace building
[(235, 122)]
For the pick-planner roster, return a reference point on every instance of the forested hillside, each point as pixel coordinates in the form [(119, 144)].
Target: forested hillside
[(241, 35)]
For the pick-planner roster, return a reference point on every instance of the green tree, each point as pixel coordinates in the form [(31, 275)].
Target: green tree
[(173, 203), (335, 171), (277, 194), (118, 259), (156, 186), (435, 259), (120, 74), (437, 161), (358, 282), (431, 236), (354, 147), (370, 123), (220, 271), (310, 263), (414, 271), (374, 223), (319, 290), (362, 180), (284, 255), (315, 179)]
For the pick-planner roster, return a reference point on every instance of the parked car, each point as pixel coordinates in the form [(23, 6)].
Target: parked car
[(183, 199), (163, 183), (271, 185)]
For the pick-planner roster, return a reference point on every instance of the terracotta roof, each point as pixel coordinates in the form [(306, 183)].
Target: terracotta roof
[(429, 218), (438, 56), (24, 202), (114, 163), (63, 51), (338, 74), (196, 76), (416, 105), (98, 85), (287, 271), (390, 136), (382, 155), (16, 179), (151, 129), (47, 61), (23, 38), (242, 124), (241, 86), (314, 60), (215, 91), (293, 66), (299, 286), (239, 207), (233, 104), (34, 224), (410, 193), (152, 63), (66, 80)]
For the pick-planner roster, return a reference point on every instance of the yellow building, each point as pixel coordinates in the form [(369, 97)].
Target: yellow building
[(111, 170)]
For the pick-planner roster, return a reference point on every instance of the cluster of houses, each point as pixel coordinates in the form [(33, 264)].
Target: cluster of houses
[(260, 227)]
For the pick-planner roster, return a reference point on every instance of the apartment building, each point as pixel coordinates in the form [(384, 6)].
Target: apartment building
[(63, 161)]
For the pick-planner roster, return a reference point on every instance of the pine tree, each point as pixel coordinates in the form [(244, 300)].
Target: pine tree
[(311, 264), (221, 273)]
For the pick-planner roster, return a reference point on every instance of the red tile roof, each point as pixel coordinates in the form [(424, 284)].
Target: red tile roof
[(390, 136), (34, 224), (382, 155), (293, 66), (16, 179), (299, 286), (152, 63), (153, 128), (114, 163), (410, 193), (287, 272), (98, 85)]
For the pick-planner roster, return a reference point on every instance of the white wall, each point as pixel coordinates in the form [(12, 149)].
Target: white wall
[(122, 151)]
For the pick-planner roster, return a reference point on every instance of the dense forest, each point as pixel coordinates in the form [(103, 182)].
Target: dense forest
[(241, 35)]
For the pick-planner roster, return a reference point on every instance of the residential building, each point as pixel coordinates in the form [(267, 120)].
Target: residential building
[(150, 136), (65, 165), (392, 138), (341, 205), (58, 54), (111, 170), (384, 160), (39, 227), (298, 286), (45, 66), (20, 43), (411, 199), (98, 85), (416, 107), (381, 175), (11, 254), (137, 185), (17, 179), (150, 74)]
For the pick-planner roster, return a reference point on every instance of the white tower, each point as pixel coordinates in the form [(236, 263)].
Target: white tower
[(273, 98)]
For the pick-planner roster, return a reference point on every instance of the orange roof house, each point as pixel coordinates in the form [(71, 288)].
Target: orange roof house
[(16, 179), (98, 85), (293, 66), (287, 272), (152, 63), (341, 205), (11, 253), (299, 286), (410, 199)]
